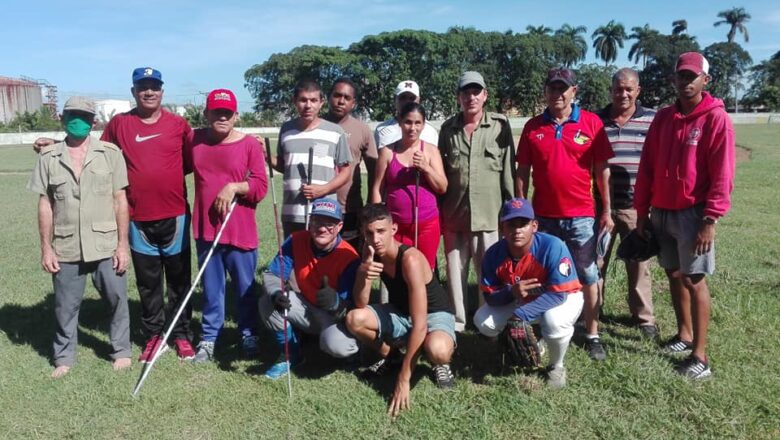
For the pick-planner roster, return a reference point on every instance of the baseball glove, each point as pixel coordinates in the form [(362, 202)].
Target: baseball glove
[(521, 344)]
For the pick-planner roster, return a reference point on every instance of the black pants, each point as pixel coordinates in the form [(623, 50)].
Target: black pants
[(149, 271)]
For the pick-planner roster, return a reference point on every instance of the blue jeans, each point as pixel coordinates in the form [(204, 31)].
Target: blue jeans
[(240, 264), (579, 234)]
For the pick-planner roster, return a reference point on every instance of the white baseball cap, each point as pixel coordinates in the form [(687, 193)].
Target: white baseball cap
[(408, 86)]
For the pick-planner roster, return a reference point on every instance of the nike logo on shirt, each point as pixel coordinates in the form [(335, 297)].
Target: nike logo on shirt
[(146, 138)]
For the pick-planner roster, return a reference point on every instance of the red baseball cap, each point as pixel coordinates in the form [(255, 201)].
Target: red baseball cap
[(693, 61), (221, 99)]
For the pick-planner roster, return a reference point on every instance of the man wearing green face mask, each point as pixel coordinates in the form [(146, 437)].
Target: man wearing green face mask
[(82, 222)]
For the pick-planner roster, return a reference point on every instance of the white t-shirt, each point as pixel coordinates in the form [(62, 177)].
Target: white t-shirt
[(389, 132)]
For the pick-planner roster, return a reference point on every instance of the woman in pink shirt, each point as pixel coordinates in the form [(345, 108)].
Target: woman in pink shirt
[(397, 171)]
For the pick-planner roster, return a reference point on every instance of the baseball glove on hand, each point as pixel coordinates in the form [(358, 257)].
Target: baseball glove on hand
[(521, 344)]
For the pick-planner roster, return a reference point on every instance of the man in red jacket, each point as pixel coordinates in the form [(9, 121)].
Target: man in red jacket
[(685, 179)]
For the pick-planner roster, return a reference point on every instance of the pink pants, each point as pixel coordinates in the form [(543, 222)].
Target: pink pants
[(428, 236)]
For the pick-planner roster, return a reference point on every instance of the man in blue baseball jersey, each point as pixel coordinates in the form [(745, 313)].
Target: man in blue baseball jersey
[(530, 276)]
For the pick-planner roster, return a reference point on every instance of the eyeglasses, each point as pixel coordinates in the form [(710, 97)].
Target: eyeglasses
[(317, 223)]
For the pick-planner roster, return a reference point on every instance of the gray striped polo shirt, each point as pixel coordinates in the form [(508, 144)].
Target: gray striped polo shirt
[(330, 150), (627, 142)]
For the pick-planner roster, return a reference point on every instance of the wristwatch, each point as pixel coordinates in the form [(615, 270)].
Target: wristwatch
[(709, 220)]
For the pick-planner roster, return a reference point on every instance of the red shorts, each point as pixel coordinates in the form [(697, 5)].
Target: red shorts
[(428, 236)]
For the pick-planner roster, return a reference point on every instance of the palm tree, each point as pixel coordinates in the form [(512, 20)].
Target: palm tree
[(679, 27), (736, 19), (539, 30), (607, 39), (645, 37), (573, 34)]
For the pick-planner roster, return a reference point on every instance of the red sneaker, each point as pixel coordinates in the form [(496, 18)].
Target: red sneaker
[(151, 347), (184, 349)]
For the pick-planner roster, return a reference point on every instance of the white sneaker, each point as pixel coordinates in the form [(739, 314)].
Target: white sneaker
[(556, 377)]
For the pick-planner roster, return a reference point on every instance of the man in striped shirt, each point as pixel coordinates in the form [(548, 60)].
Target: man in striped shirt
[(331, 157), (626, 123)]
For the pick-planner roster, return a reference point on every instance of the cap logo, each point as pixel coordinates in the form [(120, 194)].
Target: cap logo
[(221, 96), (408, 85), (517, 204), (326, 206), (148, 71)]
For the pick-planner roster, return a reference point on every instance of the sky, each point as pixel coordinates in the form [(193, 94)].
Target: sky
[(91, 47)]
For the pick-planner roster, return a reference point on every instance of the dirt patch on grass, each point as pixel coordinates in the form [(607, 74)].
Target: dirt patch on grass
[(743, 154)]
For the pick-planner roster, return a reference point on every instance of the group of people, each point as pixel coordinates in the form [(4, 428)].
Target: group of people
[(668, 175)]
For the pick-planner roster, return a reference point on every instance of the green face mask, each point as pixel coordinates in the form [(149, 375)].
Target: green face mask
[(78, 127)]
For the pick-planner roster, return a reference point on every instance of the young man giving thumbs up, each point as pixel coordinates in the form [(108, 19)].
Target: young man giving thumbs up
[(418, 315)]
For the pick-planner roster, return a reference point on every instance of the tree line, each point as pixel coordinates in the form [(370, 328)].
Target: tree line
[(514, 66)]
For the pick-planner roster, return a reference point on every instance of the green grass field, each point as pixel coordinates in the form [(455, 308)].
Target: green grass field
[(634, 394)]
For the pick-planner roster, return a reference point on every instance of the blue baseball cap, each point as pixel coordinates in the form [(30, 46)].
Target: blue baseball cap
[(516, 208), (326, 207), (141, 73)]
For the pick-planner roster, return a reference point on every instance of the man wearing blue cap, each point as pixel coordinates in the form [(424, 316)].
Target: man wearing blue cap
[(530, 276), (152, 141), (323, 266)]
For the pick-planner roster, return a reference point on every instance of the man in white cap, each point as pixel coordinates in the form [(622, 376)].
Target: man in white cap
[(389, 131), (82, 222), (686, 175)]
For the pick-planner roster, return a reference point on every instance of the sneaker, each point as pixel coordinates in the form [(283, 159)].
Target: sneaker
[(595, 349), (184, 349), (444, 377), (250, 346), (676, 346), (205, 352), (693, 368), (151, 347), (649, 331), (279, 369), (556, 377), (383, 366)]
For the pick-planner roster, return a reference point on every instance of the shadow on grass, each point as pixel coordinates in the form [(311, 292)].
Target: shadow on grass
[(35, 325)]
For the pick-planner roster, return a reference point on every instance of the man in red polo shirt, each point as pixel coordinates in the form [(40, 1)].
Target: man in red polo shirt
[(564, 146)]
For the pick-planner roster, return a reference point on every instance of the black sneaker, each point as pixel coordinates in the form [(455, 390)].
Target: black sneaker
[(693, 368), (444, 377), (649, 331), (383, 366), (595, 349), (676, 346)]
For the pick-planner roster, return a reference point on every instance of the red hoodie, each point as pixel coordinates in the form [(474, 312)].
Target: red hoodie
[(688, 160)]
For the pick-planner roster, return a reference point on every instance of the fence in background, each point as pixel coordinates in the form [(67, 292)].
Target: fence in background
[(516, 123)]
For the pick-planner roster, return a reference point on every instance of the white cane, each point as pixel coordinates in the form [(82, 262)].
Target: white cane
[(281, 259), (184, 302)]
